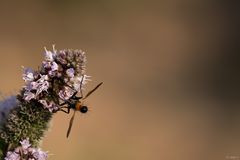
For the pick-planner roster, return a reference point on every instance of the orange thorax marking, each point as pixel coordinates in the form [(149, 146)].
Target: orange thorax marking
[(78, 106)]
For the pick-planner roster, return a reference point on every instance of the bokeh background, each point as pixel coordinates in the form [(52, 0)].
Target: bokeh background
[(170, 70)]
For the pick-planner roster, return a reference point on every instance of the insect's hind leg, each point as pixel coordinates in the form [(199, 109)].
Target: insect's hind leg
[(62, 104), (61, 108)]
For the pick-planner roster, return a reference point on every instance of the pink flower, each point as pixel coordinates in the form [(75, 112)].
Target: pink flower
[(31, 86), (28, 75), (50, 106), (70, 72), (28, 95), (48, 55), (42, 87), (25, 143), (54, 66), (39, 154), (80, 81), (25, 150), (66, 93), (43, 84), (43, 78), (50, 65), (12, 156), (39, 86), (46, 64)]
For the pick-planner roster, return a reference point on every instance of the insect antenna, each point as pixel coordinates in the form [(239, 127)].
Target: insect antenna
[(81, 85), (94, 89)]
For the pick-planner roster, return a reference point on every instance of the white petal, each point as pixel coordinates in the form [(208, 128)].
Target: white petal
[(44, 103), (25, 143), (80, 81), (48, 55), (66, 93), (40, 155), (28, 74), (42, 87), (29, 95), (12, 156)]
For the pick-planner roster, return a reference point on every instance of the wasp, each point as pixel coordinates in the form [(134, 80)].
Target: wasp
[(76, 104)]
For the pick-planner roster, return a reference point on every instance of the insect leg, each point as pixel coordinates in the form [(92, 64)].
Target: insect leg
[(61, 108), (62, 104), (75, 97), (68, 110), (70, 124), (81, 85)]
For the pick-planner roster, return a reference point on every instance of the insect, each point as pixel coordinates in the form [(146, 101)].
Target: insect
[(76, 103)]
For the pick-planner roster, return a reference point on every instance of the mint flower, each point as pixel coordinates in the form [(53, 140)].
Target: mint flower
[(28, 75), (27, 96), (25, 144), (25, 151), (25, 117), (49, 55), (39, 86), (79, 81), (51, 106), (38, 154), (70, 72), (42, 84), (66, 93), (12, 156), (54, 67)]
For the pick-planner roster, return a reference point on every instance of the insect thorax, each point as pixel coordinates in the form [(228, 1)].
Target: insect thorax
[(73, 104)]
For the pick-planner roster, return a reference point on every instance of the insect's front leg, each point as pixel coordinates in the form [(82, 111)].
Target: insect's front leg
[(68, 110), (75, 97)]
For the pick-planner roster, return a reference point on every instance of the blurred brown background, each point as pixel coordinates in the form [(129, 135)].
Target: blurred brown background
[(170, 70)]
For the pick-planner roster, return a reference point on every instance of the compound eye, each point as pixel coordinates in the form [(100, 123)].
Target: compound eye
[(84, 109)]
